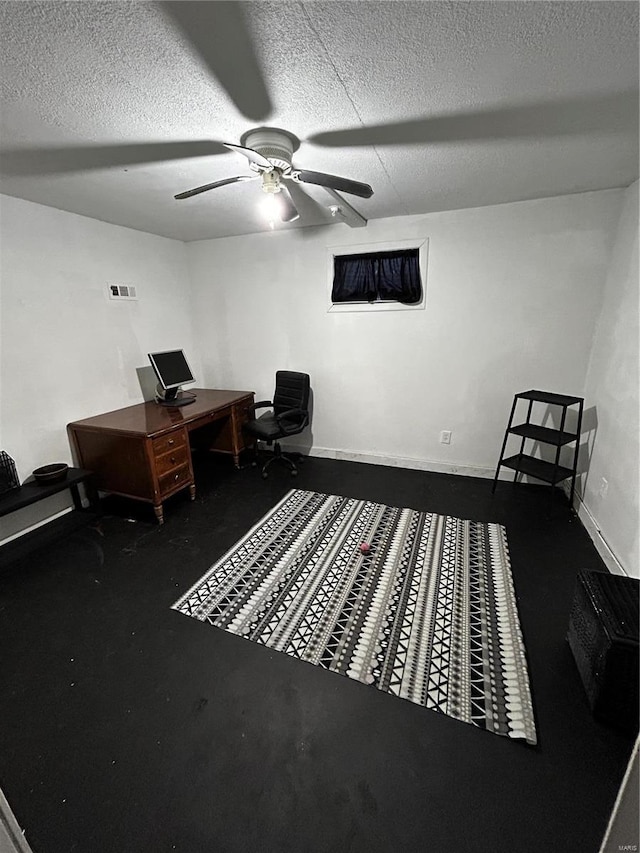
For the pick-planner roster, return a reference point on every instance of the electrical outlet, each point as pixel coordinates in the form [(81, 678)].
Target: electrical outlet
[(604, 487), (445, 436)]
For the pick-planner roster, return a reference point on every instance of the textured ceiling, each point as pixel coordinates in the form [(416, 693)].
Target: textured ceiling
[(110, 109)]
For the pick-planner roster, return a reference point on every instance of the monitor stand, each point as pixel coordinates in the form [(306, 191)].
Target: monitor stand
[(174, 398), (179, 401)]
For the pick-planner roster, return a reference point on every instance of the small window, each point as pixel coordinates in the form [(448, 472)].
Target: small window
[(385, 275), (373, 277)]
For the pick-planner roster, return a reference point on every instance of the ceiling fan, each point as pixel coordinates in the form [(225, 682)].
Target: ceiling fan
[(220, 37), (269, 151)]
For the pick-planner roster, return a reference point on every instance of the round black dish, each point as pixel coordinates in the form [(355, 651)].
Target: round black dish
[(51, 473)]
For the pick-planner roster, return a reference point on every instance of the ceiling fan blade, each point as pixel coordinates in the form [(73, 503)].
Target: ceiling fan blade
[(218, 32), (251, 155), (215, 184), (344, 212), (334, 182), (310, 210), (288, 210), (78, 158), (607, 113)]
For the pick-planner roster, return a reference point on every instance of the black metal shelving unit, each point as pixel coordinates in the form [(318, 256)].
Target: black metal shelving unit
[(541, 469)]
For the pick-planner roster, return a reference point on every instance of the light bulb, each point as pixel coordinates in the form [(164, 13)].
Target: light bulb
[(271, 208)]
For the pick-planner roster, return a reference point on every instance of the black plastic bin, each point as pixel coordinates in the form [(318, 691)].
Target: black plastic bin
[(603, 636)]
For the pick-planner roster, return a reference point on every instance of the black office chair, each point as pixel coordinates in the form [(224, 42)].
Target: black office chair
[(289, 416)]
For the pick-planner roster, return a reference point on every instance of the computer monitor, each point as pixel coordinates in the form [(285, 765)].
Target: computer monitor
[(173, 372)]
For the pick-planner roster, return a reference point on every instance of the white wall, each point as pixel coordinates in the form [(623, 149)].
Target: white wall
[(514, 293), (66, 350), (612, 386), (512, 296)]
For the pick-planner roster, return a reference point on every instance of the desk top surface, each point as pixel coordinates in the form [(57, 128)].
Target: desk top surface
[(151, 418)]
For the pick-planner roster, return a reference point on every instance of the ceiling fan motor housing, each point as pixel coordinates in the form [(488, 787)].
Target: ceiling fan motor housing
[(276, 145)]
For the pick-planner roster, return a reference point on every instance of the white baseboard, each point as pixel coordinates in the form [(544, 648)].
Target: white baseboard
[(398, 462), (591, 526), (12, 838), (623, 823), (588, 521)]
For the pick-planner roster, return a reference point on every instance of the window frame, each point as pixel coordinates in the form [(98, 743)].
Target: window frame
[(420, 243)]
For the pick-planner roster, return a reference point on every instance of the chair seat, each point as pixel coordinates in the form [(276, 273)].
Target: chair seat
[(266, 427)]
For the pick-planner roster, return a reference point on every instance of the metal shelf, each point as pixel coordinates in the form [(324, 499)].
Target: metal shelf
[(538, 468), (544, 434), (525, 463), (549, 397)]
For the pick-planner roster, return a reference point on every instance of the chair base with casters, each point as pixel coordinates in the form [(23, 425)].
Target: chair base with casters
[(278, 455), (289, 416)]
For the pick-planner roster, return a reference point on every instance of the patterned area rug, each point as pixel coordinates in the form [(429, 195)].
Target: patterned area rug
[(428, 614)]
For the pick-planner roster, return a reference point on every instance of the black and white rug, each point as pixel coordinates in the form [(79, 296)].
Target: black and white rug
[(428, 614)]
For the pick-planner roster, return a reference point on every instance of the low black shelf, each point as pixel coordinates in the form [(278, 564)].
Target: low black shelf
[(31, 492), (528, 430)]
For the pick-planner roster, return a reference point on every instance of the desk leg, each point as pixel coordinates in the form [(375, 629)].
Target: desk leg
[(192, 492), (237, 443), (159, 513)]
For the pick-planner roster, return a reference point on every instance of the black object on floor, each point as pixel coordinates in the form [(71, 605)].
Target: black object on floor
[(127, 728), (603, 636)]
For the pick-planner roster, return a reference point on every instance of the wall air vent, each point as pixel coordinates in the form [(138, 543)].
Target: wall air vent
[(122, 291)]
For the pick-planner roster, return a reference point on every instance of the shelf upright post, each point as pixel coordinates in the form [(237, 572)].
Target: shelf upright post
[(524, 438), (576, 452), (504, 444), (558, 449)]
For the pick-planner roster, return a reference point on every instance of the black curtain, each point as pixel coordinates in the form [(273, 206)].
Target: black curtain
[(377, 276)]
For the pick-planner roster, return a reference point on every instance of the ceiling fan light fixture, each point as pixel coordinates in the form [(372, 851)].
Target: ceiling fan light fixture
[(270, 207), (271, 181)]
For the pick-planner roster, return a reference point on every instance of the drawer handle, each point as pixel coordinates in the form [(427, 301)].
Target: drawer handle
[(177, 477), (173, 458), (171, 441)]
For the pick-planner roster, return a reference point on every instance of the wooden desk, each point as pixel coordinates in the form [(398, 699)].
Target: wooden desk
[(144, 451)]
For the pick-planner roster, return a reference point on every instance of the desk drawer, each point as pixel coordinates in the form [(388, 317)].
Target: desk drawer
[(170, 441), (211, 418), (174, 480), (172, 460)]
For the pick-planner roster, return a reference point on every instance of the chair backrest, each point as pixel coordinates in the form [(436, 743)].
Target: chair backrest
[(292, 391)]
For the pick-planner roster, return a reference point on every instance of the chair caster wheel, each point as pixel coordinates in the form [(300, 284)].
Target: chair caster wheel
[(264, 475), (294, 473), (254, 464)]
